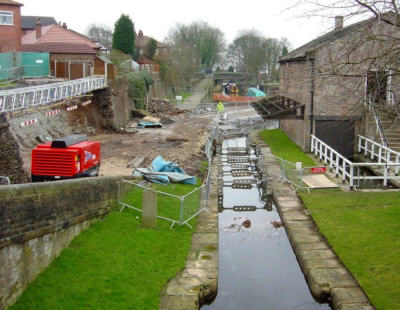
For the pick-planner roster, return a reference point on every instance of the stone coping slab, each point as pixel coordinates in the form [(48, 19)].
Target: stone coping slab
[(325, 274), (197, 284)]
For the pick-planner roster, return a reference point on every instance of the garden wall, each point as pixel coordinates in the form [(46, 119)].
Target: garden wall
[(38, 220)]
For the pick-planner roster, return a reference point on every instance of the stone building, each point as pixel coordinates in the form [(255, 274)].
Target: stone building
[(336, 76)]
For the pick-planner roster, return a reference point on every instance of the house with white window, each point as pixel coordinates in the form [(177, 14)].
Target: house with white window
[(10, 26)]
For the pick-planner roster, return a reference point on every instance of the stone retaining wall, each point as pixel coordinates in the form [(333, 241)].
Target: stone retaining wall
[(38, 220), (10, 158), (323, 270)]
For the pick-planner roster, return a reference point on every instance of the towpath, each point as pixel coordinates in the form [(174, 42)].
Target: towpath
[(199, 91)]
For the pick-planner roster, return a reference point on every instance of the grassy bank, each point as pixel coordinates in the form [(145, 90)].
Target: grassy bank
[(282, 146), (362, 228), (115, 264)]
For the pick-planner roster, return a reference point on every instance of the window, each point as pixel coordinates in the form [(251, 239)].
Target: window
[(6, 18), (377, 82)]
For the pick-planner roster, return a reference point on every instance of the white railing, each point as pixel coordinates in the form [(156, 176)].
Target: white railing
[(382, 153), (30, 97), (350, 171)]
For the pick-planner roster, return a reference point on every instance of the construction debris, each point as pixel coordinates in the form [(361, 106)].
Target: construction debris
[(161, 107), (136, 162)]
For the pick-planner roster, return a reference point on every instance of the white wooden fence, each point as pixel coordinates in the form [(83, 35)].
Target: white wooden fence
[(387, 160)]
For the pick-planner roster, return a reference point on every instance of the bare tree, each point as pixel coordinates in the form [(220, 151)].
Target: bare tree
[(101, 34)]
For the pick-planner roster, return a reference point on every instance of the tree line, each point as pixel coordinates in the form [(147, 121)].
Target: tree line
[(195, 47)]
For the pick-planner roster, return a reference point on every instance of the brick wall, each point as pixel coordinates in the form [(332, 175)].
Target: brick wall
[(10, 159), (38, 220), (10, 35)]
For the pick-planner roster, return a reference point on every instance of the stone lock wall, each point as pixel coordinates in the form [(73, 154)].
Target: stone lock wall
[(10, 159), (38, 220)]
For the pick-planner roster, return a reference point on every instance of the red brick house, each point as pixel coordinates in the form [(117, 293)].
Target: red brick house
[(148, 65), (10, 26), (72, 55)]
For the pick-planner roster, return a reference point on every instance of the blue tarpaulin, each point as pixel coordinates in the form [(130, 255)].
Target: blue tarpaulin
[(163, 172)]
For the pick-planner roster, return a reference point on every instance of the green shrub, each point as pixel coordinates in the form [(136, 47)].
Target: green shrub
[(148, 79), (137, 89)]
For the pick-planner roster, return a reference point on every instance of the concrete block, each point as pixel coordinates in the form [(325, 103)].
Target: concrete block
[(149, 205), (348, 295)]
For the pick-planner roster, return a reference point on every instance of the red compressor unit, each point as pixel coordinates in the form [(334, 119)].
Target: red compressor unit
[(65, 158)]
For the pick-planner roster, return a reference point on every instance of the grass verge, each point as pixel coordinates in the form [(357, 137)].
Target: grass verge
[(282, 146), (115, 264), (364, 230)]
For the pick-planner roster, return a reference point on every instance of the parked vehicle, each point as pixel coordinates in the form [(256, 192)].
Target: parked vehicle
[(65, 158)]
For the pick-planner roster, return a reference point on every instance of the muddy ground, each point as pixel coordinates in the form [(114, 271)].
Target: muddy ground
[(182, 139)]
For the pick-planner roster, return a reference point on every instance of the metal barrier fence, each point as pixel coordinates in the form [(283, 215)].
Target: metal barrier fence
[(20, 72), (176, 209)]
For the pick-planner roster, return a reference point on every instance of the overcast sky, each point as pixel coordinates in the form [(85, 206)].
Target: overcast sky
[(156, 17)]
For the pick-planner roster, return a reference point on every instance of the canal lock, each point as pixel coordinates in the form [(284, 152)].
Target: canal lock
[(257, 266)]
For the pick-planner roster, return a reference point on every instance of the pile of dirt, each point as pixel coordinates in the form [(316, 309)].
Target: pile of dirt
[(162, 107)]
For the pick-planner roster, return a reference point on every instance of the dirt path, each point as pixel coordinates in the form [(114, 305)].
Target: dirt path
[(199, 91), (183, 141)]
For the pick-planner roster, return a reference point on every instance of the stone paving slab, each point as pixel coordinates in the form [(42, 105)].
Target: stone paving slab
[(365, 306), (321, 281), (198, 282), (324, 272), (342, 296), (185, 302), (293, 215), (311, 264)]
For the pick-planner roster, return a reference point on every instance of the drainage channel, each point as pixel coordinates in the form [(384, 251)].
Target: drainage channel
[(257, 266)]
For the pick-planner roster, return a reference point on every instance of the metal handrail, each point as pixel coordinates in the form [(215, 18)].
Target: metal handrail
[(379, 125), (27, 97)]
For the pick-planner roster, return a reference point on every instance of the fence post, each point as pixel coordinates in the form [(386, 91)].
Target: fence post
[(320, 151), (351, 176), (396, 170), (326, 153), (380, 155), (344, 172), (181, 211), (359, 144), (385, 175), (331, 160), (316, 148), (366, 147), (372, 151), (337, 165)]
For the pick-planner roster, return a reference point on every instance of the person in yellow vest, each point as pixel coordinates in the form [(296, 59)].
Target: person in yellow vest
[(220, 107)]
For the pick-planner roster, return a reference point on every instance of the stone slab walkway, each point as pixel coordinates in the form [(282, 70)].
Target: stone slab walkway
[(324, 272), (197, 283)]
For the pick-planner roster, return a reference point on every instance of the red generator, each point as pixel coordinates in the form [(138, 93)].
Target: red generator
[(65, 158)]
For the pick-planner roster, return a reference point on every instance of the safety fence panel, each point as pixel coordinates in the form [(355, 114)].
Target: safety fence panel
[(18, 65), (177, 209)]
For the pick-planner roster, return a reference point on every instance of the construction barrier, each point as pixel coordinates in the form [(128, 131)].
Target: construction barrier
[(54, 112), (229, 98), (30, 122)]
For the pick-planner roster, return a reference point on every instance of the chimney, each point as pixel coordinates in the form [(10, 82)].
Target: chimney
[(338, 23), (140, 34), (38, 28), (64, 25)]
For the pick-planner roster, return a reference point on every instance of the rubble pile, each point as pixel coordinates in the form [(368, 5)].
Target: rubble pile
[(161, 107)]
